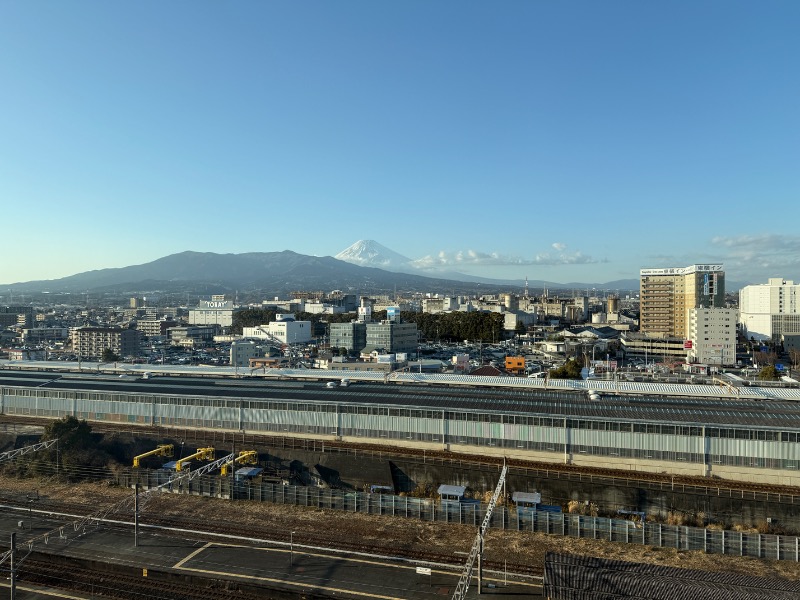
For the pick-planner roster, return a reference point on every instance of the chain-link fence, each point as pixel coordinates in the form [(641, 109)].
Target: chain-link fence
[(737, 543)]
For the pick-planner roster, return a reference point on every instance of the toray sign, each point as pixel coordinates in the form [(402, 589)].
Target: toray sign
[(215, 304)]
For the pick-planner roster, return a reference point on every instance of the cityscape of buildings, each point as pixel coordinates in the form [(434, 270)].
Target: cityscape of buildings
[(681, 315)]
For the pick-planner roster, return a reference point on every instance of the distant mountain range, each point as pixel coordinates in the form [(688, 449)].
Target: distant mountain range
[(273, 272), (364, 267)]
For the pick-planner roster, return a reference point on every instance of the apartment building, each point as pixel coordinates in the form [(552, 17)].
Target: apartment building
[(712, 336), (91, 342)]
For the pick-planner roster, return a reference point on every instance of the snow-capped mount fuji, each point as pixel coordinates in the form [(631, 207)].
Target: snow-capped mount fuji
[(369, 253)]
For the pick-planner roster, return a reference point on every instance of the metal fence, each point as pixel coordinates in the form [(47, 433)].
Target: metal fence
[(736, 543)]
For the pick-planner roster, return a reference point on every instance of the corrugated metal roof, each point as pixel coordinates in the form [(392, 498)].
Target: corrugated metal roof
[(248, 471), (451, 490), (718, 412), (527, 497)]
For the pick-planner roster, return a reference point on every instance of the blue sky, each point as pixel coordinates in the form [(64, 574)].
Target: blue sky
[(562, 141)]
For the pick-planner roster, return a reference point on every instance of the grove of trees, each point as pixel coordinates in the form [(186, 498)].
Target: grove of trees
[(450, 327)]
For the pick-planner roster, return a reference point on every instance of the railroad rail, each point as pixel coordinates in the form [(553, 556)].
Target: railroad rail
[(195, 528)]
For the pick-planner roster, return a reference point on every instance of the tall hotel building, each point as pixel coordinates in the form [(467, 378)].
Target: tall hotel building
[(667, 295)]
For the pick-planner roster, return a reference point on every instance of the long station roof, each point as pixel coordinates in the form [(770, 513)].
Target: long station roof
[(715, 412)]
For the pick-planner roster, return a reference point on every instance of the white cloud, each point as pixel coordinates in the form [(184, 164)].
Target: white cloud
[(476, 258), (757, 257), (559, 247)]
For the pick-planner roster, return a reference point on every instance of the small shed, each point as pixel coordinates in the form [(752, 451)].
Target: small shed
[(248, 473), (451, 492), (526, 499)]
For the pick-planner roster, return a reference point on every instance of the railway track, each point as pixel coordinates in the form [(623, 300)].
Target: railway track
[(441, 457), (200, 529)]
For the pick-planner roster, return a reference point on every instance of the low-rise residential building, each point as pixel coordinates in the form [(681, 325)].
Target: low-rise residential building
[(25, 354), (155, 327), (192, 336), (242, 352), (39, 335)]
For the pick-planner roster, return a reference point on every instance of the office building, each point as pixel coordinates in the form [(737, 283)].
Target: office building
[(352, 336), (216, 311), (392, 337)]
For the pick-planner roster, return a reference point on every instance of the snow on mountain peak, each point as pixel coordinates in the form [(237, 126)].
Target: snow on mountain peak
[(369, 253)]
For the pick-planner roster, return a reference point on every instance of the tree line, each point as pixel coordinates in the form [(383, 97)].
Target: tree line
[(448, 327)]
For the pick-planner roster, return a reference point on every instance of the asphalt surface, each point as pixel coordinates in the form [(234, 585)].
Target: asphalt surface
[(709, 411), (272, 565)]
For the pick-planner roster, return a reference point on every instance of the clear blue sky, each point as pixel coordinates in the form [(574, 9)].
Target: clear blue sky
[(563, 141)]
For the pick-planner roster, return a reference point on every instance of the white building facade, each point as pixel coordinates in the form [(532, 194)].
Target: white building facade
[(213, 312), (291, 332), (770, 310), (712, 336), (242, 351)]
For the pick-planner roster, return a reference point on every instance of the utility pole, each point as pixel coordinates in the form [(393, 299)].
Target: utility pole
[(13, 585), (480, 563), (136, 516)]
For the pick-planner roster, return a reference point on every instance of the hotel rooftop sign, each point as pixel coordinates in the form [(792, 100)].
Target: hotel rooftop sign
[(683, 270)]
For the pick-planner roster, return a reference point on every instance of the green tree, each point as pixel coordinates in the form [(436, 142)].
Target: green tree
[(769, 373), (71, 433), (109, 356), (569, 370), (77, 447), (520, 329)]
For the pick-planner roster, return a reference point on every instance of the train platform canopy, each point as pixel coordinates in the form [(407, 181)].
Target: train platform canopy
[(451, 492), (526, 498), (572, 577)]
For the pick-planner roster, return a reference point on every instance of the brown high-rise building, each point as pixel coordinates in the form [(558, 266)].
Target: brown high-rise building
[(667, 295)]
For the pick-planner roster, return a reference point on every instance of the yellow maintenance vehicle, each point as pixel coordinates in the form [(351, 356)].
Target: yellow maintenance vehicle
[(162, 450), (201, 454), (246, 457)]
